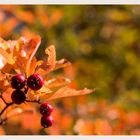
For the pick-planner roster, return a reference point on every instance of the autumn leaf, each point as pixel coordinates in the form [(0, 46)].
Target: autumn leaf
[(3, 44), (2, 61), (14, 112), (67, 92), (18, 111), (32, 66), (50, 51), (56, 82), (62, 63), (6, 57), (34, 44), (38, 95), (44, 89), (49, 65)]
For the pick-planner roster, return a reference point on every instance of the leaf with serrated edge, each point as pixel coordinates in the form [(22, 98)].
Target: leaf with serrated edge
[(67, 92), (50, 51), (49, 65)]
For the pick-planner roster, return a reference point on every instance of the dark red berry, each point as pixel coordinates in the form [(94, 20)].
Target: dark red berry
[(46, 121), (35, 82), (18, 81), (46, 109), (18, 96)]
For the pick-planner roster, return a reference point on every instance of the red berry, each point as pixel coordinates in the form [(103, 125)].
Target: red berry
[(18, 96), (35, 82), (46, 109), (18, 81), (46, 121)]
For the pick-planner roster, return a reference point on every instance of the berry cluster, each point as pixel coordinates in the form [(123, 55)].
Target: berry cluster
[(46, 119), (18, 82), (34, 82)]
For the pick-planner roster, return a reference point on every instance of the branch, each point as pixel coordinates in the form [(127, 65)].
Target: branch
[(7, 105), (3, 99)]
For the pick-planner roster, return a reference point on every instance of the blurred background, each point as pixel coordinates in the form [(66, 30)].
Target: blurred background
[(103, 43)]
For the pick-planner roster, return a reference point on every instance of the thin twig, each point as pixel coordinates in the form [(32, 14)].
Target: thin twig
[(7, 105), (3, 99), (26, 90), (33, 101)]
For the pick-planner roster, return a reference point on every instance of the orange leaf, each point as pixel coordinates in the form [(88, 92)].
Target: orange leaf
[(32, 66), (38, 95), (3, 44), (14, 112), (2, 62), (44, 89), (6, 56), (50, 63), (62, 63), (56, 82), (67, 92), (34, 43), (50, 51), (18, 111)]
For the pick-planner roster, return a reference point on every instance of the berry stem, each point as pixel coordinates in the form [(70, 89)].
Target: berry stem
[(7, 105), (33, 101), (3, 99), (26, 90)]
